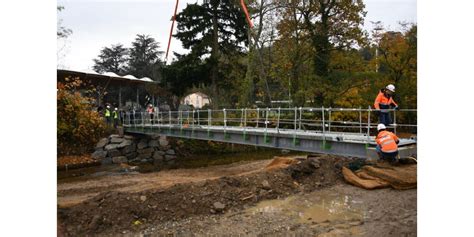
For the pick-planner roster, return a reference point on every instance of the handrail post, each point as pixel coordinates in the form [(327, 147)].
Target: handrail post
[(209, 118), (368, 124), (258, 116), (241, 117), (225, 118), (329, 120), (324, 125), (245, 117), (266, 118), (199, 120), (360, 120), (395, 121), (294, 121), (278, 120), (299, 127)]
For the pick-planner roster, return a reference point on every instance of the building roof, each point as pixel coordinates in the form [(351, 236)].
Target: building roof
[(110, 75)]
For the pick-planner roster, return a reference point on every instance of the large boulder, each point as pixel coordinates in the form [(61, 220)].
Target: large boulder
[(129, 149), (153, 143), (102, 142), (158, 152), (170, 152), (124, 143), (99, 154), (119, 159), (142, 144), (116, 140), (111, 147), (129, 137), (170, 157), (131, 156), (114, 153), (148, 150), (157, 156), (163, 141)]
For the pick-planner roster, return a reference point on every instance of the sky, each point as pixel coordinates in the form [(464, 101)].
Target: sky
[(99, 23)]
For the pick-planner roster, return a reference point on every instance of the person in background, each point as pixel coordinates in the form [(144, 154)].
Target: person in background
[(387, 144), (150, 110), (115, 117), (108, 114), (384, 101)]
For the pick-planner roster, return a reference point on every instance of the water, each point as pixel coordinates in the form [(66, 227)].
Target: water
[(324, 206)]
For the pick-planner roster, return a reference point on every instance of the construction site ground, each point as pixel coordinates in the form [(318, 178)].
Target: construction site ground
[(248, 198)]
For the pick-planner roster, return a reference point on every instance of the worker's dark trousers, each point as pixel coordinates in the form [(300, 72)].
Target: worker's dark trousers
[(385, 118), (392, 156)]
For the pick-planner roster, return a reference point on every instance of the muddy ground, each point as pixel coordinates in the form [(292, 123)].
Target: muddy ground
[(307, 198)]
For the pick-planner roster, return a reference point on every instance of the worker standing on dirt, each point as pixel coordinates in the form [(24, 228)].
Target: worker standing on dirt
[(387, 144), (384, 101), (107, 115), (150, 111)]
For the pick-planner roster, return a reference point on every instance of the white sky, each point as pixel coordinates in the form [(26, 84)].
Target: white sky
[(99, 23)]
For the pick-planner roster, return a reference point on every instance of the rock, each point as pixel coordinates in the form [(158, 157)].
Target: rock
[(284, 151), (124, 143), (111, 147), (144, 156), (161, 153), (131, 156), (169, 157), (143, 198), (145, 151), (153, 143), (164, 148), (99, 155), (218, 206), (313, 161), (114, 153), (170, 152), (119, 159), (163, 141), (116, 140), (157, 156), (129, 137), (171, 162), (142, 145), (114, 136), (106, 161), (129, 149), (266, 185), (102, 142)]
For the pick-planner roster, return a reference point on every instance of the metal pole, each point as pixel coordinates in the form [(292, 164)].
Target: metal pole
[(329, 120), (169, 115), (120, 96), (299, 127), (225, 118), (245, 117), (278, 121), (242, 118), (360, 120), (266, 119), (258, 115), (324, 125), (368, 125), (198, 118), (209, 118), (395, 122), (296, 114)]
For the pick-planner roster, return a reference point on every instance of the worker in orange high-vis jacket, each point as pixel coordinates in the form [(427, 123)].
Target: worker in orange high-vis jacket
[(385, 101), (387, 144)]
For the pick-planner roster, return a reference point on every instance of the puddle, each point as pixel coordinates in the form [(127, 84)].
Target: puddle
[(318, 208)]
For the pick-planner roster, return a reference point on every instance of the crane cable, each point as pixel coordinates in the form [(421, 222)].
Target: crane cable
[(171, 31)]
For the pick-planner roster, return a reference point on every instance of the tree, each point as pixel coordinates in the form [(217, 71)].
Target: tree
[(144, 60), (212, 31), (112, 59), (332, 24), (62, 31)]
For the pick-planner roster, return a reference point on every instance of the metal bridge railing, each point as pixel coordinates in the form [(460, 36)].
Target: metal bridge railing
[(324, 120)]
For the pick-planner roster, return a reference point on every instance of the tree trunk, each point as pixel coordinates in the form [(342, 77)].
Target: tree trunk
[(214, 56)]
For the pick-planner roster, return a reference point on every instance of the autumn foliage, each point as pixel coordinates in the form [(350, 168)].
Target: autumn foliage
[(79, 126)]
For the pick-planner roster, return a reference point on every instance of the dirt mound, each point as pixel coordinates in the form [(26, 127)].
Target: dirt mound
[(382, 176), (113, 212), (280, 162)]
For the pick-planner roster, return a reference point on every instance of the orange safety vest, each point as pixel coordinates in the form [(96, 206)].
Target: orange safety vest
[(387, 141), (382, 102)]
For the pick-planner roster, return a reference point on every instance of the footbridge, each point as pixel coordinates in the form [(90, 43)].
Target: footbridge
[(339, 131)]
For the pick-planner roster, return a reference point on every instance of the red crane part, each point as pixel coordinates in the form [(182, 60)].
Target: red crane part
[(172, 26), (242, 3)]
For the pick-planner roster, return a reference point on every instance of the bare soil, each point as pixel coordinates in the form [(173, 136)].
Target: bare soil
[(216, 200)]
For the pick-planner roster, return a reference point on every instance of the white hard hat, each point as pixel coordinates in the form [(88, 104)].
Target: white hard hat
[(391, 88), (381, 126)]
